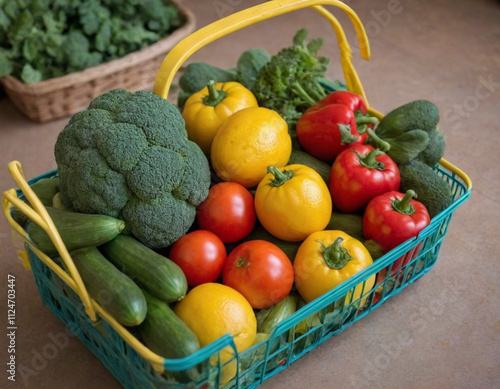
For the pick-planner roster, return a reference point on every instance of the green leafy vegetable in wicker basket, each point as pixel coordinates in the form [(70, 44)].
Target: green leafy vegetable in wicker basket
[(44, 39)]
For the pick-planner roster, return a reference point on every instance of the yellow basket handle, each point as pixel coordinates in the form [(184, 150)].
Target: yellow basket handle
[(192, 43), (39, 215)]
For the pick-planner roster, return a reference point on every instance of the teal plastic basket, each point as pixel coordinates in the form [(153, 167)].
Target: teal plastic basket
[(310, 326)]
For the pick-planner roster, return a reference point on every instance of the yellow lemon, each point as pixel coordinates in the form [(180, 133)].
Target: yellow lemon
[(247, 143), (211, 310)]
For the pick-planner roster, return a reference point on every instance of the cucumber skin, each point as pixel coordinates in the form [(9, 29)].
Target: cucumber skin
[(106, 284), (77, 230), (431, 190), (156, 274), (45, 189), (164, 333)]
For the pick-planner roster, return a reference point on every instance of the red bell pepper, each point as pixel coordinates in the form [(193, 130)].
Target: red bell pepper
[(354, 102), (359, 174), (351, 100), (327, 131), (393, 218)]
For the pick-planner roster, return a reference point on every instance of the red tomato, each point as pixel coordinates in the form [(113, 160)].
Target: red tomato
[(260, 271), (201, 256), (228, 212)]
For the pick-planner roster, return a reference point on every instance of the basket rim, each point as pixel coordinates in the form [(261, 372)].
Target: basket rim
[(110, 67)]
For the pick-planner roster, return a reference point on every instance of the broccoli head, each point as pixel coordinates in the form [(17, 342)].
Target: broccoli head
[(128, 156)]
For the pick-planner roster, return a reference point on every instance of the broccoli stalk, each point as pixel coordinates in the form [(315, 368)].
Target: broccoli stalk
[(288, 83)]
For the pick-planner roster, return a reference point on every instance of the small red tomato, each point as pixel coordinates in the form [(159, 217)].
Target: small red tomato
[(228, 212), (260, 271), (201, 256)]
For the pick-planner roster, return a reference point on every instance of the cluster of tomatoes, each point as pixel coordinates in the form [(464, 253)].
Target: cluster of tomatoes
[(258, 269)]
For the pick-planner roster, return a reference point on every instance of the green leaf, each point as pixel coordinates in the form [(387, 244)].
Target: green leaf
[(103, 37), (30, 75), (5, 66), (31, 47), (4, 20), (21, 28), (407, 146), (53, 44)]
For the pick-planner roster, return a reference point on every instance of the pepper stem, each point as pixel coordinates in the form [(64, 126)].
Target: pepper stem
[(362, 118), (379, 142), (214, 96), (369, 161), (280, 177), (363, 121), (346, 136), (336, 256), (404, 206)]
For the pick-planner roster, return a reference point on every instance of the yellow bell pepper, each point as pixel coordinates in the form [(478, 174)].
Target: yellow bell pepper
[(328, 258), (292, 202), (206, 110)]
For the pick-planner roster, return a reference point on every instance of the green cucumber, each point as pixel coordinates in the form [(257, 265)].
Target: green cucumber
[(303, 158), (432, 190), (44, 189), (269, 318), (106, 284), (165, 334), (155, 273), (77, 230)]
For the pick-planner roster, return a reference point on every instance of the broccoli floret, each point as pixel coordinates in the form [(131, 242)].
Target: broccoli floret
[(128, 156), (288, 83)]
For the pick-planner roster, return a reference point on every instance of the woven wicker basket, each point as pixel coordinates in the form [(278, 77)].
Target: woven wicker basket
[(63, 96)]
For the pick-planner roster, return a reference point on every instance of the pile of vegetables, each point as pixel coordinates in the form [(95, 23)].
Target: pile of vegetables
[(351, 189), (44, 39)]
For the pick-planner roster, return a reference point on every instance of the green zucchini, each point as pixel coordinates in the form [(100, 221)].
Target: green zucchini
[(77, 230), (303, 158), (155, 273), (165, 334), (106, 284)]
